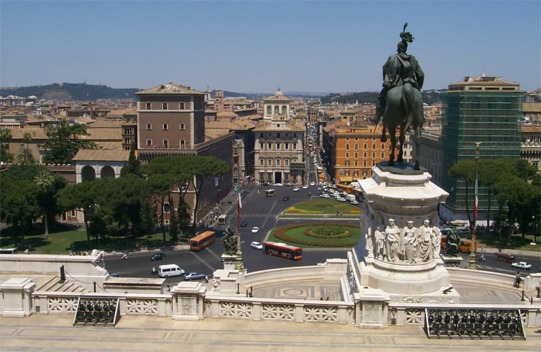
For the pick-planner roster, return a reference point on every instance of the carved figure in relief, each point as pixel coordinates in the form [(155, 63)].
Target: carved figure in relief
[(436, 241), (392, 234), (380, 252), (424, 239), (410, 243), (370, 243)]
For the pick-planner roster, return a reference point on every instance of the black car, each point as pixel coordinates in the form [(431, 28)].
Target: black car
[(286, 198), (243, 224), (158, 256)]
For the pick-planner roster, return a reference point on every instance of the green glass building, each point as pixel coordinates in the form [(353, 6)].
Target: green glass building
[(483, 109)]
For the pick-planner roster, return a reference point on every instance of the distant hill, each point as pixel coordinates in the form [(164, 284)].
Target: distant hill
[(430, 97), (89, 92), (71, 91)]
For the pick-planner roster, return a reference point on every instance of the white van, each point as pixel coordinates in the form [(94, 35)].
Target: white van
[(169, 270), (350, 197)]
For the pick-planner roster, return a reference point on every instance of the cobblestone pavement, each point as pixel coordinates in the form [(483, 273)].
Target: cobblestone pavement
[(56, 333)]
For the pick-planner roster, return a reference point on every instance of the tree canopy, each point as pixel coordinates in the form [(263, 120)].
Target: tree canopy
[(64, 141)]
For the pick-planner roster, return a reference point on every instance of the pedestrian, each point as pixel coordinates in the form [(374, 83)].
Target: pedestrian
[(517, 279)]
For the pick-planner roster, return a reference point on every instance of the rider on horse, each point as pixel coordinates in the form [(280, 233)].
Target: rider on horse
[(399, 69)]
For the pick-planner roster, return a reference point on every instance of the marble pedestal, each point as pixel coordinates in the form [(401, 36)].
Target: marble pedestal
[(414, 274)]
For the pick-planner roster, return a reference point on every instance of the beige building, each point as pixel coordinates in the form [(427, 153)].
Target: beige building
[(279, 154)]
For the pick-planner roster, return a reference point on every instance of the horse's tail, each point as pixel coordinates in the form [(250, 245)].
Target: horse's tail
[(407, 100)]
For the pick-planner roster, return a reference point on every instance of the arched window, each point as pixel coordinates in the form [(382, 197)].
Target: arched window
[(88, 173), (107, 171)]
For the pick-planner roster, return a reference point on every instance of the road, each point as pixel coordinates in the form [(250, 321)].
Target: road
[(262, 212), (259, 211)]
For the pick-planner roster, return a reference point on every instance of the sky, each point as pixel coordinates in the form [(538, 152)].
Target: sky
[(261, 46)]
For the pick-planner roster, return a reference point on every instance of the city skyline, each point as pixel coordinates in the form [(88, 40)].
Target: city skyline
[(261, 46)]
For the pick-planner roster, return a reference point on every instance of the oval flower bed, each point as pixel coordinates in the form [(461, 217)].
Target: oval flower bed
[(318, 235)]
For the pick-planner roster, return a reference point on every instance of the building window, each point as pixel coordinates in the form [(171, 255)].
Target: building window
[(166, 208), (164, 106), (165, 143), (261, 145), (182, 106), (261, 161), (149, 142), (286, 146), (270, 145), (278, 134), (149, 106), (149, 126), (269, 161), (182, 127), (277, 162), (278, 145), (165, 127), (261, 135), (182, 143), (286, 162)]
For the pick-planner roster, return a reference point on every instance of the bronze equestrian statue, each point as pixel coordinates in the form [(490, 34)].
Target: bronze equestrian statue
[(400, 104)]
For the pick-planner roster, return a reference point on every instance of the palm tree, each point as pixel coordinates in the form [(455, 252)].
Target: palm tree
[(45, 181)]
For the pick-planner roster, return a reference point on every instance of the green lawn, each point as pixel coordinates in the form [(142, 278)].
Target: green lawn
[(322, 207), (65, 238)]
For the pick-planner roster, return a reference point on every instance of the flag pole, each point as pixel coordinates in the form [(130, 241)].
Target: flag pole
[(239, 264), (471, 264)]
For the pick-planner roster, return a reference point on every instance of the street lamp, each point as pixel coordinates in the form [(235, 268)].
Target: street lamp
[(471, 264)]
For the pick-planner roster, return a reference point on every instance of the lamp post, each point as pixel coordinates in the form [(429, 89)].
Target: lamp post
[(471, 264)]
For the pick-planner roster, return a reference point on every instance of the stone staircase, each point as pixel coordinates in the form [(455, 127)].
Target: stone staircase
[(54, 285)]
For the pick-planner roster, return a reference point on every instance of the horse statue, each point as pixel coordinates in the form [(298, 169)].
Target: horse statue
[(400, 101), (404, 110)]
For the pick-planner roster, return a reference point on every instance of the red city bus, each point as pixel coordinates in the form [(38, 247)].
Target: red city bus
[(202, 241), (282, 250)]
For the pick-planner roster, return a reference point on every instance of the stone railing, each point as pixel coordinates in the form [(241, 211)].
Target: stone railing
[(130, 304), (414, 313), (300, 311)]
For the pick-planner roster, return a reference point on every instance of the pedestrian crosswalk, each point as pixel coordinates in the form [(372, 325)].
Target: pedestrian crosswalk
[(258, 215)]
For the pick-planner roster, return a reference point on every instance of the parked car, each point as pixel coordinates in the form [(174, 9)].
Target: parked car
[(296, 189), (521, 265), (286, 198), (354, 202), (256, 245), (324, 195), (255, 229), (243, 224), (158, 256), (278, 184), (195, 276), (304, 186), (340, 199)]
